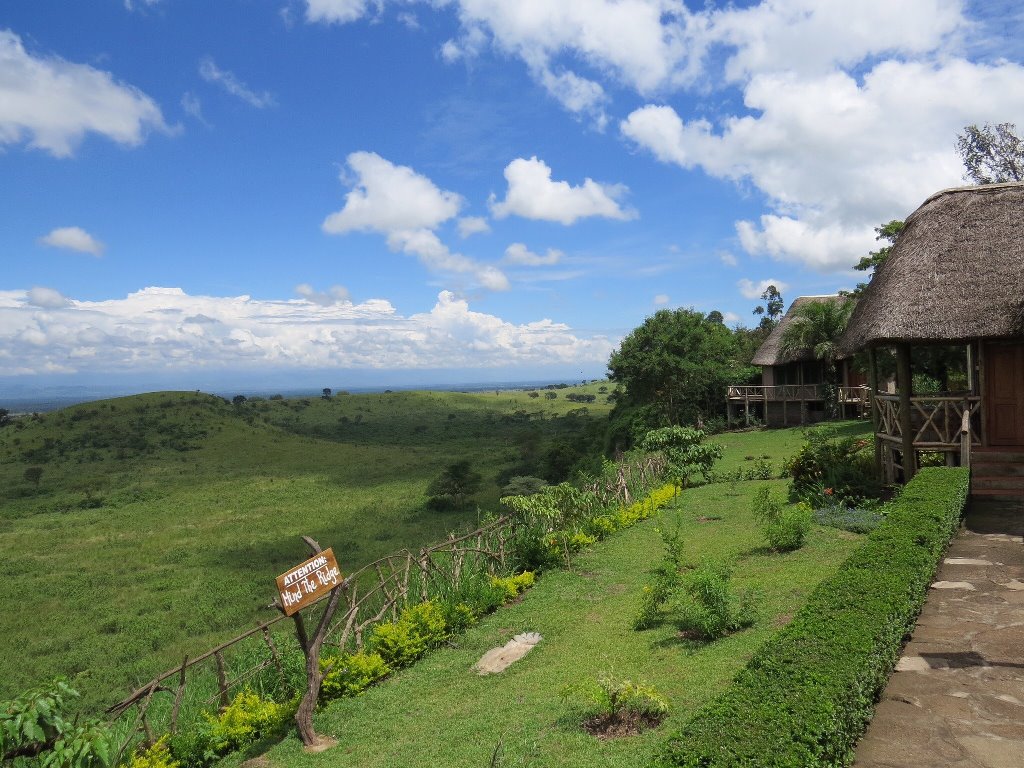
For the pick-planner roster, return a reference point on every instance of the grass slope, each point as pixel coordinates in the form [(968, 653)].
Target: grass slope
[(161, 520), (439, 712)]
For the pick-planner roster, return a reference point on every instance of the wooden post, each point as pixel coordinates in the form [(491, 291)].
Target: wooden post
[(746, 407), (311, 650), (904, 383), (875, 415)]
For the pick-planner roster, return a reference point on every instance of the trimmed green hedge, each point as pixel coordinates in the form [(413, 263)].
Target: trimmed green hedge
[(807, 695)]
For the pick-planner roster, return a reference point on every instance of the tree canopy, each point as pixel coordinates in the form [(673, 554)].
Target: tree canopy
[(673, 369), (991, 153)]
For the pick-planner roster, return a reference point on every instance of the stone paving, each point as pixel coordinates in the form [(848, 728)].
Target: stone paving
[(957, 696)]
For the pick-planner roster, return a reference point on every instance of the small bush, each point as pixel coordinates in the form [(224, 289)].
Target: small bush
[(710, 609), (612, 696), (512, 586), (247, 718), (418, 629), (349, 674), (156, 756), (784, 527), (842, 465)]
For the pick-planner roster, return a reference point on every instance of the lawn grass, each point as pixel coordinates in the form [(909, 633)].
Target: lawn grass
[(161, 520), (439, 712), (741, 449)]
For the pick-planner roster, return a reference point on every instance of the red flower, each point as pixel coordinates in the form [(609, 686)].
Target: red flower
[(828, 491)]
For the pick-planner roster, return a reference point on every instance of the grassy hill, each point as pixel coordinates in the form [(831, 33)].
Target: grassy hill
[(158, 522)]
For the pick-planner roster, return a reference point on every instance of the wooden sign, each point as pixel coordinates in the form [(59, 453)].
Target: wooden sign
[(308, 582)]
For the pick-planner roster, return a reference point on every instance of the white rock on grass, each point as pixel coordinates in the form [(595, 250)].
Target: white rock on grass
[(499, 659)]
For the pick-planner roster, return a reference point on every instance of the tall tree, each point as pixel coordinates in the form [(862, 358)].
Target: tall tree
[(815, 329), (771, 311), (991, 154), (673, 370), (887, 232)]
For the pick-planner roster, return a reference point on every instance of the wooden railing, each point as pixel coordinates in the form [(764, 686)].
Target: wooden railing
[(780, 392), (949, 424)]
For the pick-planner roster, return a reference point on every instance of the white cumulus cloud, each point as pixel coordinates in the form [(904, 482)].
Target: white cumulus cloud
[(52, 103), (335, 11), (406, 207), (473, 225), (661, 300), (518, 253), (73, 239), (336, 294), (532, 194), (162, 329)]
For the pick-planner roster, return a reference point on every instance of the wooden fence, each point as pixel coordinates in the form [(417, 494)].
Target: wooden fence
[(376, 592)]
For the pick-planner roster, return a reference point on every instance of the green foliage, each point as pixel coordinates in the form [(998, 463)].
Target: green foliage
[(666, 582), (512, 586), (247, 718), (685, 451), (807, 695), (418, 629), (454, 486), (991, 154), (708, 607), (771, 311), (33, 475), (157, 755), (523, 485), (614, 697), (828, 468), (784, 527), (349, 674), (855, 520), (38, 727), (673, 369)]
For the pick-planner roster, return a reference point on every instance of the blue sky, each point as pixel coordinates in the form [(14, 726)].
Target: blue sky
[(466, 188)]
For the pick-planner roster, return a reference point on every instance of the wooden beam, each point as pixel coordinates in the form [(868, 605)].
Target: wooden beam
[(904, 382), (875, 416)]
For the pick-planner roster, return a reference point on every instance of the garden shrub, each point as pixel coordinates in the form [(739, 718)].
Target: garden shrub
[(784, 527), (418, 629), (709, 608), (158, 755), (247, 718), (827, 465), (512, 586), (349, 674), (807, 694), (613, 697)]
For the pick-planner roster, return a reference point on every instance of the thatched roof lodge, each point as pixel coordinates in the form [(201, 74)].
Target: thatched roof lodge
[(954, 276), (770, 353), (792, 382)]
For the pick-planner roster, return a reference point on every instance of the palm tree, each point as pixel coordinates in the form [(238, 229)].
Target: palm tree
[(815, 329)]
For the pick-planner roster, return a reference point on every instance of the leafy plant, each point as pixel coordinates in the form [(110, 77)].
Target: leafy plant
[(710, 609), (419, 628), (828, 461), (667, 580), (37, 725), (784, 527), (512, 586), (349, 674), (247, 718), (614, 697), (157, 755), (685, 451)]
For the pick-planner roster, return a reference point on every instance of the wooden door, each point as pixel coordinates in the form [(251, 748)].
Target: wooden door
[(1004, 407)]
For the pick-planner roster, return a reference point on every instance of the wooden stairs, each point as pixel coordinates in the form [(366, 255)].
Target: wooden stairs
[(997, 474)]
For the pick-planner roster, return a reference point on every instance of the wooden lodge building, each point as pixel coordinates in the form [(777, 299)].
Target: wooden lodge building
[(954, 279), (792, 388)]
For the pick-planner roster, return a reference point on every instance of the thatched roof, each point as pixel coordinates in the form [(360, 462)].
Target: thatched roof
[(770, 353), (956, 273)]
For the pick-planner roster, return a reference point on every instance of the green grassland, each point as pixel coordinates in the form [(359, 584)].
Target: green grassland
[(439, 712), (160, 521)]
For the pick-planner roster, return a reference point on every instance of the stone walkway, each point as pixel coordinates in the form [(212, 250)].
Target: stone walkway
[(957, 696)]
